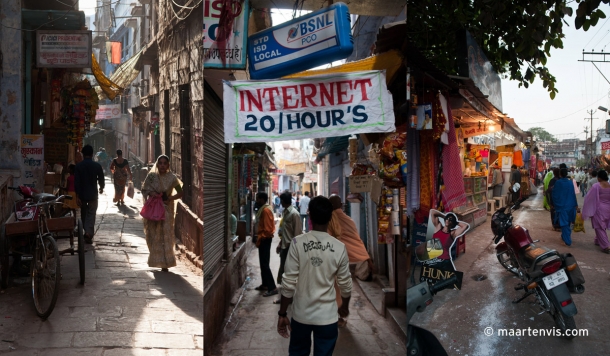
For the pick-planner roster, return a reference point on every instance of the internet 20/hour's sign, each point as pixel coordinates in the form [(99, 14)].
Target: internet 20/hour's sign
[(321, 106)]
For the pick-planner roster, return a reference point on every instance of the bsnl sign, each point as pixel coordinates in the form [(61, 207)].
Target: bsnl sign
[(303, 43)]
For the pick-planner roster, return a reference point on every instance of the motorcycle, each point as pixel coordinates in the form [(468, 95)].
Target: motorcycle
[(21, 208), (549, 276), (421, 342)]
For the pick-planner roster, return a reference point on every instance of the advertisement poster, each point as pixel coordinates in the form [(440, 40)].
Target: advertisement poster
[(506, 161), (224, 46), (63, 49), (107, 112), (32, 153), (444, 229), (319, 106)]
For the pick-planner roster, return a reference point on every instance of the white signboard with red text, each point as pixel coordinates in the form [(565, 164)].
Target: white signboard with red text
[(107, 112), (32, 154), (605, 145), (63, 49), (320, 106), (224, 46)]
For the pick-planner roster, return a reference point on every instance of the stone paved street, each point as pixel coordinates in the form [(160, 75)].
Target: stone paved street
[(252, 327), (124, 308)]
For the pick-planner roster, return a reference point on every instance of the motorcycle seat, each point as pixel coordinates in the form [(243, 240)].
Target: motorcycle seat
[(532, 253), (44, 197)]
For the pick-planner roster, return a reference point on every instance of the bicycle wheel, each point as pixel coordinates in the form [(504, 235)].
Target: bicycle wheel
[(4, 247), (81, 251), (45, 276)]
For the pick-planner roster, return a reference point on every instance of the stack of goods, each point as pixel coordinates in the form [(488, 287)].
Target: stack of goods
[(393, 171), (80, 106)]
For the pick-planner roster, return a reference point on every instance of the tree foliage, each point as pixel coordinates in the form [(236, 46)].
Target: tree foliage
[(516, 35), (542, 134)]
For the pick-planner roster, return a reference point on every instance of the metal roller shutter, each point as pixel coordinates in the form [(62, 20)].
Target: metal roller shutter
[(215, 191)]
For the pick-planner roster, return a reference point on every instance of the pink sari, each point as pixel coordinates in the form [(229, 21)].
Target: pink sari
[(597, 207)]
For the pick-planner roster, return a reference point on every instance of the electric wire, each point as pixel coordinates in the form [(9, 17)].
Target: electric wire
[(602, 26), (41, 26), (575, 112)]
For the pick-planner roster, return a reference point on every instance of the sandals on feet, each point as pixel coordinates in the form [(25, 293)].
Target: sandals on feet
[(261, 287), (270, 293), (606, 250)]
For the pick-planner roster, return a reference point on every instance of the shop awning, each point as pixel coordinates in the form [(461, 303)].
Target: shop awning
[(332, 145), (389, 61), (120, 79)]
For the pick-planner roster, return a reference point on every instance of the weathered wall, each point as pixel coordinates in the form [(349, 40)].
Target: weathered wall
[(11, 79)]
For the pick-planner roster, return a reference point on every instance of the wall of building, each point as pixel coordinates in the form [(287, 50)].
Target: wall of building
[(11, 88)]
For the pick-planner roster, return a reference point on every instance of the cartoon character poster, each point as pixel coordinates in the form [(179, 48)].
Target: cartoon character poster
[(444, 229)]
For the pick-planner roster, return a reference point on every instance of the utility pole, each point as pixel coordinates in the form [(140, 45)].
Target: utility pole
[(591, 112)]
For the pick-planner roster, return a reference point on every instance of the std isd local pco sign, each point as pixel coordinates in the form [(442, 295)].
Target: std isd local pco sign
[(309, 107), (306, 42)]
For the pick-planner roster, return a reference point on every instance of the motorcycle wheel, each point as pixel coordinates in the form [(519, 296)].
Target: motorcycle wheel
[(506, 261), (564, 323)]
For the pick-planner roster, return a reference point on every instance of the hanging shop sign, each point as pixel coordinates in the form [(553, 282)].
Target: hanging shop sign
[(107, 112), (224, 44), (32, 153), (312, 107), (294, 169), (306, 42), (605, 144), (310, 177), (477, 131), (63, 49)]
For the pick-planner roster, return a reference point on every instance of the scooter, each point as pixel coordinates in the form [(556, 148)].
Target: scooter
[(544, 273), (421, 342)]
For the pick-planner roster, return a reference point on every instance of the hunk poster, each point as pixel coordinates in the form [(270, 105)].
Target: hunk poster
[(311, 107), (444, 229)]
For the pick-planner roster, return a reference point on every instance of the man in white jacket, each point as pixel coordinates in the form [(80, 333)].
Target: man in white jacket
[(314, 260)]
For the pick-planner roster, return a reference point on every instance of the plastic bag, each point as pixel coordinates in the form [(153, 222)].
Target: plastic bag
[(579, 223), (130, 190), (153, 209)]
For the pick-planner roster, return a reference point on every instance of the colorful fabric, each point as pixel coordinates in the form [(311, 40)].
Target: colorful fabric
[(426, 175), (564, 202), (160, 234), (453, 195), (597, 207), (343, 228), (547, 180)]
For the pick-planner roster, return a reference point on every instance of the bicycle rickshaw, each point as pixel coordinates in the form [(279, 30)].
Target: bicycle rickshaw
[(39, 236)]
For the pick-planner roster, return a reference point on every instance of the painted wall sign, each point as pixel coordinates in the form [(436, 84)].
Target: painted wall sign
[(107, 112), (63, 49), (320, 106), (225, 48), (306, 42), (32, 154)]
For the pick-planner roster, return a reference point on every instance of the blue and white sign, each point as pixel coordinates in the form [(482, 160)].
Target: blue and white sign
[(306, 42)]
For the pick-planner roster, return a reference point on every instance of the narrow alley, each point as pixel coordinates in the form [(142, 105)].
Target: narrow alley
[(124, 308)]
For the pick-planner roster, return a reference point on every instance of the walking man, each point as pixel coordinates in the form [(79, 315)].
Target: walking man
[(515, 177), (291, 227), (87, 176), (303, 208), (265, 229), (314, 260), (564, 202)]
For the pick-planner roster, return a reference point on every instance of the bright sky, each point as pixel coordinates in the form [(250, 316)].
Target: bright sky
[(87, 6), (581, 86)]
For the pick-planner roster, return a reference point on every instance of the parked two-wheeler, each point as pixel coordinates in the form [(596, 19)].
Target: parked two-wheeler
[(421, 342), (544, 273)]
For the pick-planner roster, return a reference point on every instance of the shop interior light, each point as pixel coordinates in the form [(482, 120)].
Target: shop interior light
[(492, 128), (41, 120)]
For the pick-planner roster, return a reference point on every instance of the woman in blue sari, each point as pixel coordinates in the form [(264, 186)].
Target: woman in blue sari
[(564, 203)]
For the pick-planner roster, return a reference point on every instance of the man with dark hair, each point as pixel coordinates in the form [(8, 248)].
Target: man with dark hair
[(291, 226), (515, 178), (314, 260), (303, 207), (265, 229), (564, 202), (87, 175), (593, 179)]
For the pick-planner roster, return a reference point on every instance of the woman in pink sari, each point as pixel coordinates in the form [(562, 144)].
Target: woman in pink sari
[(597, 207)]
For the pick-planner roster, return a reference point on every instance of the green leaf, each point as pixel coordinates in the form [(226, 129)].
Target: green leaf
[(552, 95)]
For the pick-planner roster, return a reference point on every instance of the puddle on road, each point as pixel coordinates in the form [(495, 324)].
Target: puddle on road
[(479, 277)]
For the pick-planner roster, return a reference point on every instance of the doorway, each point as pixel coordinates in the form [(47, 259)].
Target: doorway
[(185, 142)]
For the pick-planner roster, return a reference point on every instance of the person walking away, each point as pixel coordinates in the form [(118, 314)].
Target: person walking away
[(597, 207), (87, 176), (314, 260), (71, 191), (515, 178), (564, 202), (497, 180), (304, 206), (291, 227), (276, 203), (549, 197), (102, 158), (265, 229), (584, 182), (343, 228), (161, 181), (547, 179), (593, 179), (120, 171)]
